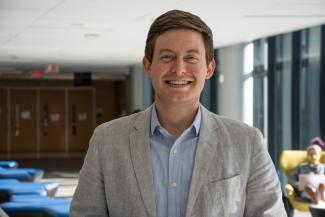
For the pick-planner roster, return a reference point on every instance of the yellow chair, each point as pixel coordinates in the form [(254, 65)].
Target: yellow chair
[(289, 160)]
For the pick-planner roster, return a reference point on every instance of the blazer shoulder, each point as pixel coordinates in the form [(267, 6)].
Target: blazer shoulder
[(232, 124), (234, 129), (122, 124)]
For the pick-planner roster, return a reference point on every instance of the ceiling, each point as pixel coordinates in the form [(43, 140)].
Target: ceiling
[(111, 34)]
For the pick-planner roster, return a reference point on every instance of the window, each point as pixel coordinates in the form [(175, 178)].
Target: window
[(248, 84)]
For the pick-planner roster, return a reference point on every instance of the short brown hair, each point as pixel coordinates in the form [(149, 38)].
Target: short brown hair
[(176, 19)]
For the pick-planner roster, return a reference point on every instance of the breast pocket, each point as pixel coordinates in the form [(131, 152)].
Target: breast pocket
[(226, 195), (219, 198)]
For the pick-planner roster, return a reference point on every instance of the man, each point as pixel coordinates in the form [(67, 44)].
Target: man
[(312, 166), (176, 159), (2, 213)]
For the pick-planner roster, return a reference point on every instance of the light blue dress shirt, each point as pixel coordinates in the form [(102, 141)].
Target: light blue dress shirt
[(173, 161)]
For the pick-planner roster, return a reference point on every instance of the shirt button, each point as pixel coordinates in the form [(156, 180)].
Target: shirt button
[(174, 184), (175, 151)]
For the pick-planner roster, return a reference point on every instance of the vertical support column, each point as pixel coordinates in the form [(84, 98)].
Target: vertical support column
[(214, 85), (271, 82), (230, 82), (209, 96), (147, 92), (322, 84), (206, 95), (137, 88), (295, 116), (141, 91)]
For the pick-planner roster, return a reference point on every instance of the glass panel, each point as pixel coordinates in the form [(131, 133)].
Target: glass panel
[(260, 85), (279, 97), (282, 96), (309, 86), (248, 84), (248, 58), (248, 101), (286, 92)]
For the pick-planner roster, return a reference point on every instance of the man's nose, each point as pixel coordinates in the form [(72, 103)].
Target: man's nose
[(179, 67)]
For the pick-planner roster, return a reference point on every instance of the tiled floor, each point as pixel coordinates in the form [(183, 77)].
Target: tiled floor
[(67, 185), (301, 214), (63, 171)]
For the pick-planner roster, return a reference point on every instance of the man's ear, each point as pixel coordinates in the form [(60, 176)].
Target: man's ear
[(210, 69), (146, 65)]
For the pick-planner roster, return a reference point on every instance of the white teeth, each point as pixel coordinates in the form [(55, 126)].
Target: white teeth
[(178, 82)]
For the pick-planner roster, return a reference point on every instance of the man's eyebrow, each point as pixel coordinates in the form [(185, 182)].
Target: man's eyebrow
[(188, 51), (165, 50), (193, 51)]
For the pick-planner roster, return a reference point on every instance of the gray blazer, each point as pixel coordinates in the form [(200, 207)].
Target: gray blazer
[(233, 175)]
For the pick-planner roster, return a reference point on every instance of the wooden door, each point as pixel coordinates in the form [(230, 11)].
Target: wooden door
[(106, 102), (23, 121), (3, 121), (52, 120), (80, 119)]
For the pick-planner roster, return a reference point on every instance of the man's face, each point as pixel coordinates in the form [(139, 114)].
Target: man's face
[(178, 69)]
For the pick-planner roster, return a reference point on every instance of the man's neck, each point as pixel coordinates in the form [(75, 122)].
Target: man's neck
[(176, 118)]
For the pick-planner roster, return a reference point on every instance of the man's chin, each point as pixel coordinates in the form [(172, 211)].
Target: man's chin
[(176, 100)]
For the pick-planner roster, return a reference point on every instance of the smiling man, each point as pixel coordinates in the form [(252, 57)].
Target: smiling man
[(177, 159)]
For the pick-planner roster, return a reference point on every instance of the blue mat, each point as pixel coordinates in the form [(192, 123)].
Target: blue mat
[(49, 187), (39, 198), (28, 175), (9, 164), (23, 190), (6, 194), (8, 181), (54, 207)]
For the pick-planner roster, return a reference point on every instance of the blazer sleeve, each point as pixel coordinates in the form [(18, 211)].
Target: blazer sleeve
[(89, 197), (263, 190)]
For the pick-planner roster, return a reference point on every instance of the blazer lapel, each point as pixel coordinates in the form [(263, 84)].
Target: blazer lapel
[(204, 155), (140, 155)]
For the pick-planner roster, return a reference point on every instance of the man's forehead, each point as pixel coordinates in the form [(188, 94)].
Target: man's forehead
[(171, 50), (182, 34)]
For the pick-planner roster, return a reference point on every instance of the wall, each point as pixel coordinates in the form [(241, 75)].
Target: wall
[(230, 81), (141, 90)]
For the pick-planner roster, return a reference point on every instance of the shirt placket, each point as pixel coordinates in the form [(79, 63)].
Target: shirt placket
[(173, 187)]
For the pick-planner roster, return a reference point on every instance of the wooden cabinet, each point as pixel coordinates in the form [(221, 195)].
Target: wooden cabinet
[(47, 120), (81, 118), (3, 121), (23, 120), (52, 118)]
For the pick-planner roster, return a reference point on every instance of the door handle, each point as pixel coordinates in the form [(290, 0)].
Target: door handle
[(17, 120), (45, 120), (74, 120)]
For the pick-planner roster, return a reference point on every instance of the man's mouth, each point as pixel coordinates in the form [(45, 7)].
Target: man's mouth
[(178, 82)]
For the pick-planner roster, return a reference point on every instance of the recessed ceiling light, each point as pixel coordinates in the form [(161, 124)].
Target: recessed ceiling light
[(91, 35), (77, 24), (13, 57)]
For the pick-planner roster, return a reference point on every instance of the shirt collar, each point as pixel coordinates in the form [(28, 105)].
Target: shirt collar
[(155, 122)]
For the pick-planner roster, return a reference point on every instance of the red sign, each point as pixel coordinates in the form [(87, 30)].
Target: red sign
[(37, 73), (52, 68)]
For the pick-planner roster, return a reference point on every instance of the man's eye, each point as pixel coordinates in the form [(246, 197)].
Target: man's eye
[(192, 59), (166, 58)]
